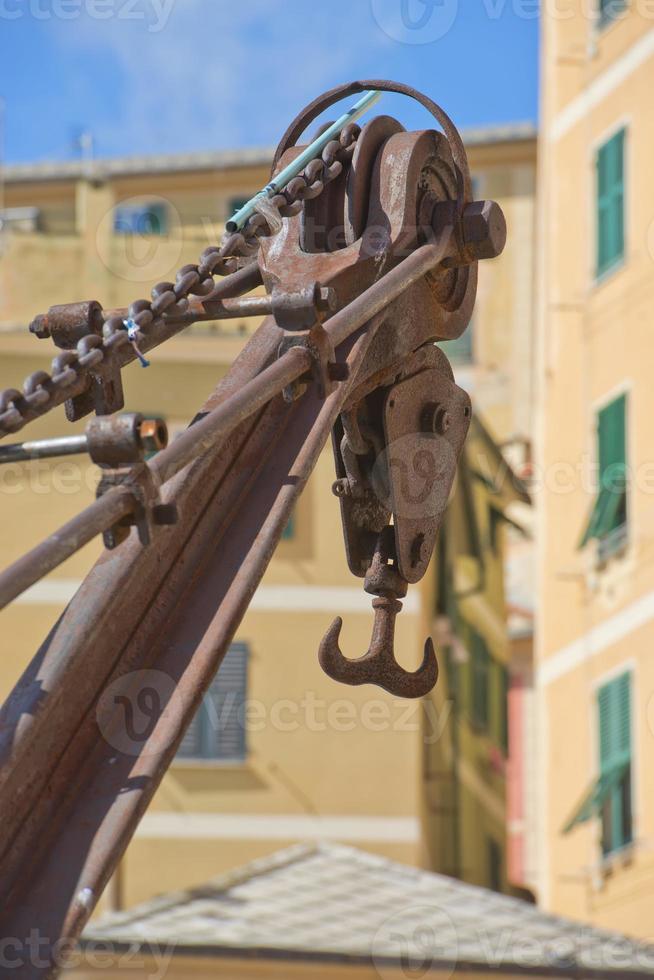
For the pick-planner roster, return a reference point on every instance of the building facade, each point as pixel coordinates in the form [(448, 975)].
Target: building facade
[(279, 753), (594, 668)]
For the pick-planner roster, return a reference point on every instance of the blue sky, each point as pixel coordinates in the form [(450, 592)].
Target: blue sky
[(160, 76)]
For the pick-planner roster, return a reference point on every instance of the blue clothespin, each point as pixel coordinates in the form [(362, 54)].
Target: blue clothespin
[(132, 332)]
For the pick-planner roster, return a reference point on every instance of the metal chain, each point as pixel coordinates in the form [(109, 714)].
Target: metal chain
[(42, 391)]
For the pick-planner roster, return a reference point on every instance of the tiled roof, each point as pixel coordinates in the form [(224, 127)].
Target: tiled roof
[(213, 160), (334, 903)]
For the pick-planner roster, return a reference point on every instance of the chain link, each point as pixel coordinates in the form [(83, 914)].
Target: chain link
[(42, 391)]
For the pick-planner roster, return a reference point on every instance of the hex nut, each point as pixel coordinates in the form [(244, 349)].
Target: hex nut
[(153, 434), (484, 229)]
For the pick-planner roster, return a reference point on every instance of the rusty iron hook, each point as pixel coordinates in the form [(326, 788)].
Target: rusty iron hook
[(379, 666)]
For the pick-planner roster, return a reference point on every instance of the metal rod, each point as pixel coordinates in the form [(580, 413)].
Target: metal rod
[(227, 416), (49, 554), (43, 449), (232, 285), (115, 504), (310, 153), (221, 421), (211, 309), (342, 324)]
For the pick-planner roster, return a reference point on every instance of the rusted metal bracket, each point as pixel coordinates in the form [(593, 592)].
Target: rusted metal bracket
[(300, 313), (118, 445), (78, 327)]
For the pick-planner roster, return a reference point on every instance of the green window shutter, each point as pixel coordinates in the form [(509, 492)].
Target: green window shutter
[(595, 798), (610, 202), (609, 511), (235, 204), (609, 795), (495, 863), (289, 531), (614, 710), (614, 704), (609, 10), (611, 439), (480, 669), (156, 218), (217, 732), (503, 709), (459, 351)]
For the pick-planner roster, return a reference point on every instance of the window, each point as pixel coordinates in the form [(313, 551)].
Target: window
[(235, 204), (614, 713), (502, 712), (609, 10), (494, 865), (143, 219), (610, 203), (289, 531), (608, 518), (609, 796), (459, 351), (495, 518), (217, 731), (480, 668)]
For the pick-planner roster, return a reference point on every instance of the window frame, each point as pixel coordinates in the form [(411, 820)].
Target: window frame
[(609, 499), (617, 781), (620, 797), (157, 208), (603, 271), (235, 203), (481, 664), (203, 717), (603, 21), (462, 356)]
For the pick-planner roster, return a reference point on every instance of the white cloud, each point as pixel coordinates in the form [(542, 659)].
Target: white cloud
[(218, 74)]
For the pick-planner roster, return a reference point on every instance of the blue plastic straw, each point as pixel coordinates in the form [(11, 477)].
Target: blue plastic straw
[(310, 153)]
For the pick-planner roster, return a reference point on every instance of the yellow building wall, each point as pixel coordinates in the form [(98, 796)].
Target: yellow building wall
[(594, 342)]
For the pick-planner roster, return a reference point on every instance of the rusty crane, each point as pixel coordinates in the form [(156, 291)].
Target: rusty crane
[(368, 256)]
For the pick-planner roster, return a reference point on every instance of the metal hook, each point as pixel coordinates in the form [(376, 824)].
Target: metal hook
[(379, 666)]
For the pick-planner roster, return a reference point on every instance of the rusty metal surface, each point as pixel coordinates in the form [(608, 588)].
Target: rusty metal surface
[(85, 370), (231, 546), (378, 665), (355, 306), (101, 516), (426, 420)]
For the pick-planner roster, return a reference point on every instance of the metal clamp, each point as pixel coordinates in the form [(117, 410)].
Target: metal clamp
[(119, 446), (300, 313), (72, 324)]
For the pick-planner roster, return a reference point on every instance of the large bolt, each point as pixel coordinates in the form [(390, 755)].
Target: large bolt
[(342, 488), (484, 229), (436, 419)]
